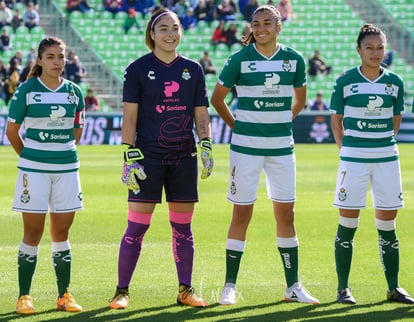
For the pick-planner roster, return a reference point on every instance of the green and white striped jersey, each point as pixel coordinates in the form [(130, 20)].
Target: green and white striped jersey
[(264, 88), (368, 108), (49, 117), (412, 107)]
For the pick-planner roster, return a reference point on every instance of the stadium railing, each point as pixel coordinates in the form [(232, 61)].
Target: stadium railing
[(103, 76)]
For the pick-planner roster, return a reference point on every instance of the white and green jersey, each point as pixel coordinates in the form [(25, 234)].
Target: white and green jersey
[(264, 88), (368, 108), (49, 118), (412, 107)]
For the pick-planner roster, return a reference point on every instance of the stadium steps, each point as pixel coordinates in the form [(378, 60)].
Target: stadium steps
[(391, 21), (108, 102), (329, 26)]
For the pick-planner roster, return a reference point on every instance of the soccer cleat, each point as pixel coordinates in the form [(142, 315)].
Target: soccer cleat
[(187, 297), (67, 303), (120, 299), (24, 305), (297, 293), (399, 295), (345, 296), (228, 296)]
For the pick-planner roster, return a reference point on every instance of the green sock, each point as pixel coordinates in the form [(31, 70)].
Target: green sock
[(26, 268), (62, 261), (390, 256), (233, 259), (290, 260), (344, 248)]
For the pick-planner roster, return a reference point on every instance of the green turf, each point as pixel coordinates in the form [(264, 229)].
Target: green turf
[(97, 230)]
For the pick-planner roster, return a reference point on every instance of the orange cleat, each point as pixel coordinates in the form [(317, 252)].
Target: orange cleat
[(24, 305), (187, 297), (121, 299), (67, 303)]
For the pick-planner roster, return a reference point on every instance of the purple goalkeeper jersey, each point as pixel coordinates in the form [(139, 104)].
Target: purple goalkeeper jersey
[(166, 95)]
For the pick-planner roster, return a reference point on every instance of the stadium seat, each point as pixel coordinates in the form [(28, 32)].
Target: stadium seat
[(331, 26), (21, 31)]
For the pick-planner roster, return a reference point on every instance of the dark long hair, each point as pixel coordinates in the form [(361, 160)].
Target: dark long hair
[(36, 70), (249, 39)]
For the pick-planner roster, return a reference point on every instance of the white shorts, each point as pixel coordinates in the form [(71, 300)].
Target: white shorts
[(354, 178), (38, 192), (245, 173)]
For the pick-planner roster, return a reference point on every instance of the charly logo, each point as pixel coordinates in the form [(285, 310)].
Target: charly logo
[(151, 75), (37, 97), (252, 66), (354, 88), (286, 260)]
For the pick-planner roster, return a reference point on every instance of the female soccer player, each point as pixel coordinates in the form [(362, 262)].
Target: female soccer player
[(52, 109), (367, 102), (164, 95), (266, 75)]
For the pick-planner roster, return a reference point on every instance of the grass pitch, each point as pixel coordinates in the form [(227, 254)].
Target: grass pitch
[(96, 233)]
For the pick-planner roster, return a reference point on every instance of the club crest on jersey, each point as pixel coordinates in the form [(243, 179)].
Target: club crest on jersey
[(286, 66), (186, 74), (389, 89), (72, 98)]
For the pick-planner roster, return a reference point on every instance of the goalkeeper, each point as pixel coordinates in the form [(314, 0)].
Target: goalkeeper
[(164, 97)]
